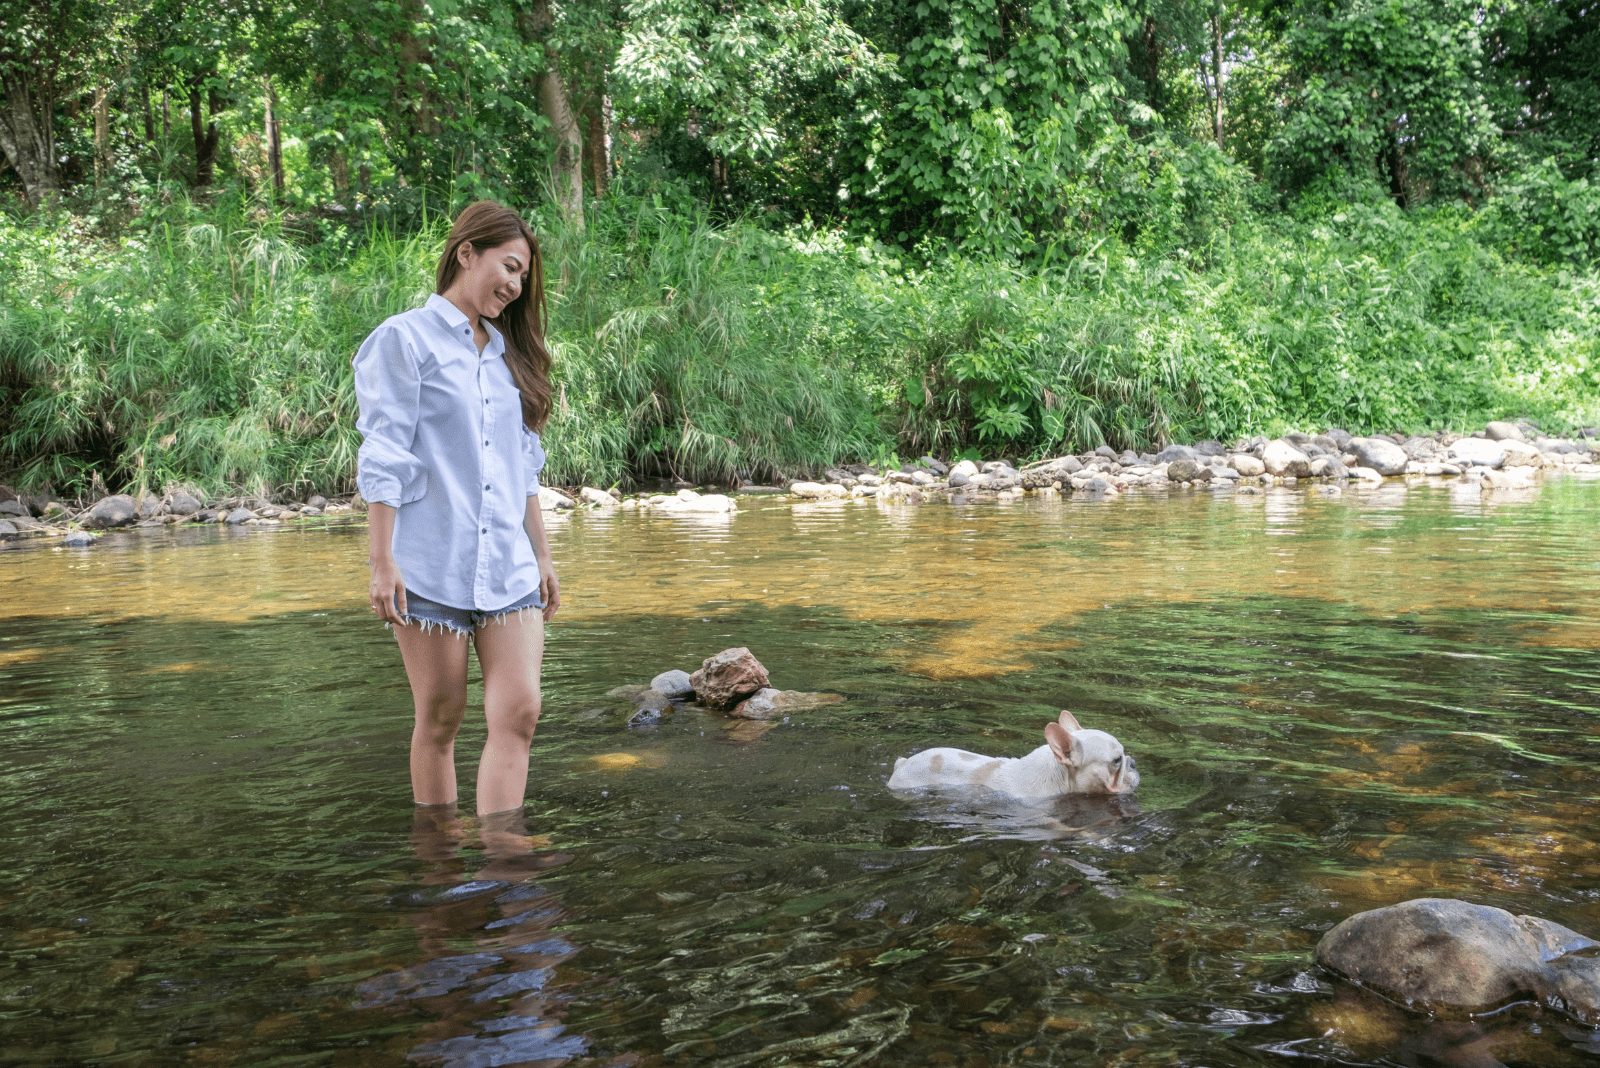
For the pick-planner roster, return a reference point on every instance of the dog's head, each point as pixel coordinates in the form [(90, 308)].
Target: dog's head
[(1097, 762)]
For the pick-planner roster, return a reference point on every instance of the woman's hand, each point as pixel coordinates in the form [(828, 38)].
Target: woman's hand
[(549, 589), (387, 594)]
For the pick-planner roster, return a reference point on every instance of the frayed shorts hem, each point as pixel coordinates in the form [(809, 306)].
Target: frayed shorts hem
[(432, 617)]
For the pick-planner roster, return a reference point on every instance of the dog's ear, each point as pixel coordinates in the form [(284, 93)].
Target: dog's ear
[(1068, 721), (1063, 745)]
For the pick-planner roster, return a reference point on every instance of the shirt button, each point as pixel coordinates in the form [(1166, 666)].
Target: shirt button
[(486, 400), (486, 485), (483, 530), (486, 444)]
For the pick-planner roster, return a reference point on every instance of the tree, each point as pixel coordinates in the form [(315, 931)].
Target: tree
[(1392, 90), (45, 52)]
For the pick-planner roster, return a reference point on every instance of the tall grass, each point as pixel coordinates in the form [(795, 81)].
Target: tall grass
[(210, 346)]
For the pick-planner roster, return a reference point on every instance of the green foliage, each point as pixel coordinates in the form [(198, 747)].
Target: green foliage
[(1388, 89), (208, 345), (1543, 216)]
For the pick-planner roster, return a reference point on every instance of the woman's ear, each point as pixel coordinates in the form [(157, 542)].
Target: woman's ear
[(464, 253)]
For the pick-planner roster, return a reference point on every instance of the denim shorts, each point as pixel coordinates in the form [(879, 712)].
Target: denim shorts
[(462, 621)]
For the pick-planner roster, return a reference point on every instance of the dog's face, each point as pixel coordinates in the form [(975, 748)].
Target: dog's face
[(1097, 761)]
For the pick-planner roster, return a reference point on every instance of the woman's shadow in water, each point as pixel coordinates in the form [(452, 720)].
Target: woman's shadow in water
[(496, 1004)]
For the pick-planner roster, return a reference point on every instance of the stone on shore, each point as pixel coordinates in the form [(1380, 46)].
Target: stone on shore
[(1521, 454), (1281, 458), (1248, 466), (1510, 477), (13, 507), (237, 516), (182, 502), (674, 684), (78, 539), (728, 677), (1188, 471), (1379, 454), (118, 510), (1455, 957), (553, 500), (818, 491), (1501, 431), (688, 502), (597, 498), (1478, 452)]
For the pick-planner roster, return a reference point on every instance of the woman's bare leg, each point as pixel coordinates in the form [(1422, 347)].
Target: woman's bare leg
[(436, 665), (510, 650)]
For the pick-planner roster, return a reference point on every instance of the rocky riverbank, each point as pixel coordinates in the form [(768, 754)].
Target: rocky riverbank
[(1502, 455)]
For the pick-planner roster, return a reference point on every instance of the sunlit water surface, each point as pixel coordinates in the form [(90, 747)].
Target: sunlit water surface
[(1337, 702)]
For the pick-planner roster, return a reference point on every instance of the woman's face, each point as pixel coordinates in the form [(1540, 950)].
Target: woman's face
[(492, 278)]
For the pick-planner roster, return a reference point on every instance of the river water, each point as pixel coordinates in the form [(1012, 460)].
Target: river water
[(1336, 702)]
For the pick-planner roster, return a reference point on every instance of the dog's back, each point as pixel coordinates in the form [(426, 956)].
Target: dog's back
[(945, 767)]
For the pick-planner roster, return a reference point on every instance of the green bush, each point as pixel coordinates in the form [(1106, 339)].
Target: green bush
[(211, 345)]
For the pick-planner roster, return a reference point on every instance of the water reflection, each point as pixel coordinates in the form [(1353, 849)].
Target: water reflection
[(489, 948)]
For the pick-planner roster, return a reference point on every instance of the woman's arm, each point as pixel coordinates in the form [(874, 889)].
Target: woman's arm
[(549, 585), (387, 593)]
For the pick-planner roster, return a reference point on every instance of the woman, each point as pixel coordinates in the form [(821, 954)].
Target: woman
[(452, 397)]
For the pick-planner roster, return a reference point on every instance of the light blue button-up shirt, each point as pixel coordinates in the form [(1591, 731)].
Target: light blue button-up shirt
[(442, 440)]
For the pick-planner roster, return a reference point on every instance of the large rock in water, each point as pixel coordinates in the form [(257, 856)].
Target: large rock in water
[(729, 677), (1384, 457), (1454, 957)]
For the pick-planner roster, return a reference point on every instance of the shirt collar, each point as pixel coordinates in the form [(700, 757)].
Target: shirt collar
[(456, 320)]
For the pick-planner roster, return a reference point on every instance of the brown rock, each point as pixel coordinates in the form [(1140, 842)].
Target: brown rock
[(723, 680), (1455, 957)]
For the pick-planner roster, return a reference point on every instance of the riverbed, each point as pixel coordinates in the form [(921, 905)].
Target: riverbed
[(1337, 701)]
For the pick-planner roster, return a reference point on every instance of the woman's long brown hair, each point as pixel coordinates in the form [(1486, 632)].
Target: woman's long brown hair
[(485, 225)]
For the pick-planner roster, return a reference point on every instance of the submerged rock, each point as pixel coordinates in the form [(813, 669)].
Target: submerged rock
[(768, 703), (674, 684), (1454, 957), (728, 677)]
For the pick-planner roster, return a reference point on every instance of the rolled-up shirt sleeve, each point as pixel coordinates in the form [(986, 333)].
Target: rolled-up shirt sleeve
[(532, 460), (388, 395)]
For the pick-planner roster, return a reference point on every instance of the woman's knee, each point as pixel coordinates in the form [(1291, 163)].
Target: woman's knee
[(439, 716), (517, 718)]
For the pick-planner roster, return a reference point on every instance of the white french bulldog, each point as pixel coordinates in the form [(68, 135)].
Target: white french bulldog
[(1072, 761)]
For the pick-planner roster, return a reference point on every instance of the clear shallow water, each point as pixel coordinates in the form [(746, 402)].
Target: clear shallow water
[(1336, 703)]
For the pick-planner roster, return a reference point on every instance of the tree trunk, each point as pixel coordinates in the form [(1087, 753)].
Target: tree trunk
[(1394, 161), (205, 134), (102, 134), (595, 144), (339, 170), (1216, 72), (273, 138), (149, 113), (27, 136), (566, 167)]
